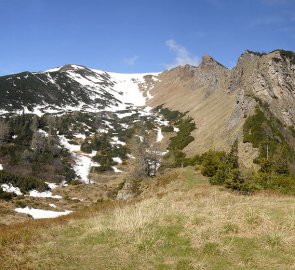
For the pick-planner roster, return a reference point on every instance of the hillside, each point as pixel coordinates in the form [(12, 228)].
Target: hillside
[(66, 128), (178, 222), (72, 126)]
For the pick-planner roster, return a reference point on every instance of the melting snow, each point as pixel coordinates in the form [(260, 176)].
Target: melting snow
[(128, 86), (130, 156), (83, 162), (39, 213), (140, 138), (117, 141), (116, 170), (67, 145), (117, 159), (101, 130), (52, 185), (159, 135), (125, 114), (11, 188), (82, 167), (53, 69), (45, 194), (80, 136), (162, 122), (43, 132)]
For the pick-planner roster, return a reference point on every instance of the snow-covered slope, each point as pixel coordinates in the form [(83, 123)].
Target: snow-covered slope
[(109, 105), (72, 88)]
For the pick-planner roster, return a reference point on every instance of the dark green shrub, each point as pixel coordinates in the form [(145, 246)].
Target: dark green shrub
[(167, 129), (183, 137), (102, 168), (86, 147), (24, 183), (211, 161), (6, 196), (219, 177)]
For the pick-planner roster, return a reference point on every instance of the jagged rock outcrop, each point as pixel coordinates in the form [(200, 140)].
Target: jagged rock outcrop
[(220, 100), (269, 78)]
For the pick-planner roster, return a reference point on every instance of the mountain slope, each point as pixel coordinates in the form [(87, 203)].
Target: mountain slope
[(70, 88), (219, 100)]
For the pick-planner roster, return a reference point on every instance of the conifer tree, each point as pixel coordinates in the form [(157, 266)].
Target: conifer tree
[(4, 131)]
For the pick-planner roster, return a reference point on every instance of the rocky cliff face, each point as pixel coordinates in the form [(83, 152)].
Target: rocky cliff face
[(269, 78), (220, 99)]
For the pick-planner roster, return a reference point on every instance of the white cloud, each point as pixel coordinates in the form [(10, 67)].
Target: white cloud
[(130, 61), (182, 55)]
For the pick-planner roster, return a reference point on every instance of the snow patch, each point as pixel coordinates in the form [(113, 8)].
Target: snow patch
[(52, 185), (118, 160), (40, 213), (159, 135), (52, 205), (45, 194), (11, 188), (117, 141), (116, 170)]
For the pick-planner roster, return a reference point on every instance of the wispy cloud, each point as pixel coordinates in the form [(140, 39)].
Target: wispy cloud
[(131, 61), (182, 55)]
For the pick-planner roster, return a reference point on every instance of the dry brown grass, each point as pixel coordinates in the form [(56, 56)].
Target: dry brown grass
[(179, 222)]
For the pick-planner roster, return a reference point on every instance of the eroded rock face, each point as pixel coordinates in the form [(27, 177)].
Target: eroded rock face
[(220, 100), (269, 78)]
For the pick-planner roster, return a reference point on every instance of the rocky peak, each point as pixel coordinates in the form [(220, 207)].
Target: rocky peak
[(209, 62)]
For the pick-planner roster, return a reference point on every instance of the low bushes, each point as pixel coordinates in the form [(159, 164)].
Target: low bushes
[(6, 196), (24, 183)]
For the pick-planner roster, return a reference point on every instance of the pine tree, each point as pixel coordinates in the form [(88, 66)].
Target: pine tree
[(4, 131), (233, 158)]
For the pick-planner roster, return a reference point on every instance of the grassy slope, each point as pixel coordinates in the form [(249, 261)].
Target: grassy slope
[(180, 222)]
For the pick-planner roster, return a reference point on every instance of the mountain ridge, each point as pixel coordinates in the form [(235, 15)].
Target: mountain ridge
[(218, 99)]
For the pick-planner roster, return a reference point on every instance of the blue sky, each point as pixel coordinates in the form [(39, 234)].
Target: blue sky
[(139, 35)]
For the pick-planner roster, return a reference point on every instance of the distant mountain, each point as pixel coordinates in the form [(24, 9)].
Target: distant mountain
[(71, 88)]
